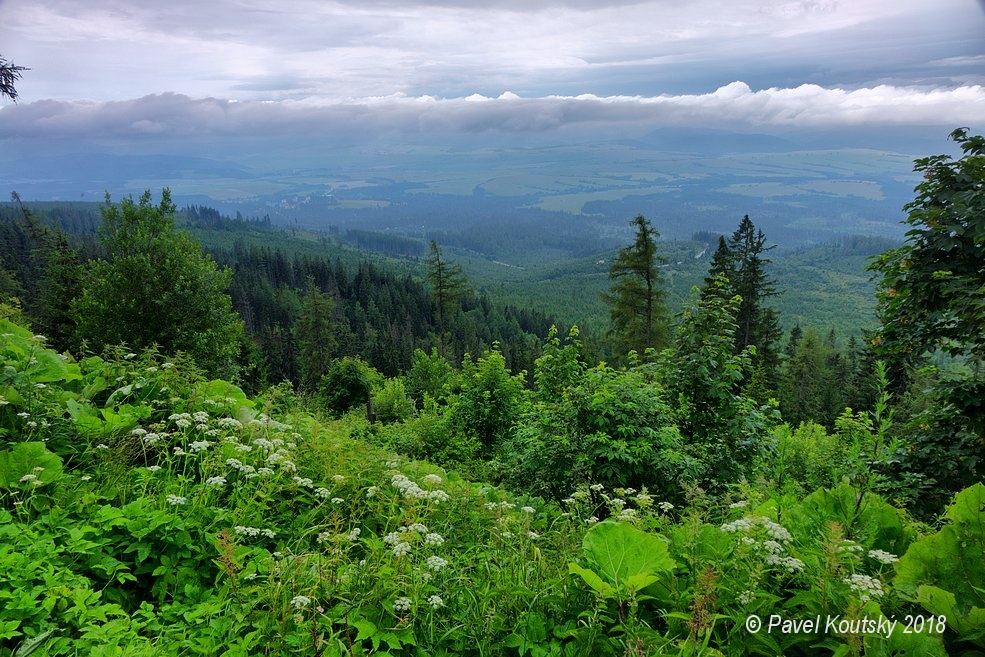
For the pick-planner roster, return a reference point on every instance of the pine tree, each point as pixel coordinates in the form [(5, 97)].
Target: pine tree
[(636, 299), (315, 335), (448, 286)]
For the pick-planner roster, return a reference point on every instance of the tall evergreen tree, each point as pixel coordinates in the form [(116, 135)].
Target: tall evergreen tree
[(448, 286), (315, 335), (636, 299), (722, 264), (758, 324)]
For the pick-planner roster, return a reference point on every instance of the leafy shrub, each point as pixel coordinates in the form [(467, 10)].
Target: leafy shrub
[(391, 403), (429, 376), (490, 400), (348, 383)]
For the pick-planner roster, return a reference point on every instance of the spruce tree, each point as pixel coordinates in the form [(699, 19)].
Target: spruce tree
[(722, 264), (448, 286), (636, 299), (315, 335)]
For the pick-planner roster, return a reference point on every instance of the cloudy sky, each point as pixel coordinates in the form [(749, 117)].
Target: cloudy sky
[(185, 67)]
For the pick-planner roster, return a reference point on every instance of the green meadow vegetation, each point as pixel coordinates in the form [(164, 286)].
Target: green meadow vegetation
[(181, 477)]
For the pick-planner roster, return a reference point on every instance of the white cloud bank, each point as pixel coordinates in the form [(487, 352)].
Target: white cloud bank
[(734, 105)]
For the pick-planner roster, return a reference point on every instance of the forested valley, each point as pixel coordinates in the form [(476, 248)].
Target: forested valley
[(219, 436)]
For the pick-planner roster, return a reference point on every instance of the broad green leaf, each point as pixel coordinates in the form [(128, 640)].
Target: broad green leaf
[(28, 460), (945, 572), (593, 580), (624, 557)]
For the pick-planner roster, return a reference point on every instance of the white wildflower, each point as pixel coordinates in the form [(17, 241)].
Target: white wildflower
[(867, 587), (401, 605), (436, 602), (883, 557), (300, 601), (177, 500), (436, 563)]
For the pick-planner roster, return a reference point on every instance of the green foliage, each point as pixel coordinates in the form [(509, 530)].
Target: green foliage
[(347, 384), (28, 465), (945, 572), (636, 302), (155, 287), (226, 525), (930, 295), (315, 335), (448, 285), (391, 402), (489, 402), (428, 376), (723, 428), (622, 560)]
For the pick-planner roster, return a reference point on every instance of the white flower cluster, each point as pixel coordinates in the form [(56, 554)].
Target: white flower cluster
[(739, 505), (412, 491), (436, 563), (176, 500), (253, 532), (401, 605), (774, 546), (775, 531), (230, 423), (867, 587), (436, 602), (300, 601), (432, 479), (883, 557), (215, 481), (433, 539), (503, 506)]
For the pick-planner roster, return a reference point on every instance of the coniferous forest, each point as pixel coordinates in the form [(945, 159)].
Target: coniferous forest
[(226, 436)]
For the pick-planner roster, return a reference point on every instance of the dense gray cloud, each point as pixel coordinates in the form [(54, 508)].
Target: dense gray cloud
[(318, 49), (733, 105)]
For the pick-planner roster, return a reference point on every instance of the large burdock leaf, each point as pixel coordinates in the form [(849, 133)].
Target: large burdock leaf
[(622, 560), (228, 398), (945, 572), (28, 460)]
